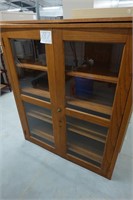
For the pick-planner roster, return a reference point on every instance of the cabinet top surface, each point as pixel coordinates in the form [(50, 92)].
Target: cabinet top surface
[(65, 22)]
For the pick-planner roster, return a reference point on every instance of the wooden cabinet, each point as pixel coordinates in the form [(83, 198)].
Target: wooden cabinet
[(4, 80), (74, 92)]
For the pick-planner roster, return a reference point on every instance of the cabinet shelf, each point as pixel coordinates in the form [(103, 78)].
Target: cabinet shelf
[(90, 105), (87, 132), (41, 116), (109, 79), (86, 147), (34, 91), (89, 153), (43, 134), (32, 66)]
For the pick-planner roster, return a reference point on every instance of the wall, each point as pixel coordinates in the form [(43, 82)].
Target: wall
[(68, 5), (51, 12), (14, 16), (102, 12), (105, 3), (112, 3)]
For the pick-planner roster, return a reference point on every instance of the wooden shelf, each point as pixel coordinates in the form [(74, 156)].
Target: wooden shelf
[(86, 147), (41, 116), (108, 79), (90, 105), (89, 133), (43, 134), (32, 66), (37, 92), (3, 73), (89, 153)]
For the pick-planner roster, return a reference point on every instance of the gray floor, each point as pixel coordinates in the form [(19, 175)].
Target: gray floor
[(28, 171)]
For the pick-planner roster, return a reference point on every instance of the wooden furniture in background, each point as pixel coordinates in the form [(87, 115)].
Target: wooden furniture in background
[(74, 95), (3, 74)]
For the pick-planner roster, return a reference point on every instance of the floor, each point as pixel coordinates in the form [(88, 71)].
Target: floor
[(29, 172)]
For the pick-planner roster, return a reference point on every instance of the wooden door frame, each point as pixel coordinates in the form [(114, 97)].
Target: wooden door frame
[(20, 98)]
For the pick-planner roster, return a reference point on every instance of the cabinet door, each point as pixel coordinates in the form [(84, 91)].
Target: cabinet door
[(33, 78), (85, 140), (93, 62), (40, 123)]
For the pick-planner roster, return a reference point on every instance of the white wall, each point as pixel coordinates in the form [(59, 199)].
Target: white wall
[(112, 3), (105, 3), (14, 16), (102, 12), (68, 5), (51, 11)]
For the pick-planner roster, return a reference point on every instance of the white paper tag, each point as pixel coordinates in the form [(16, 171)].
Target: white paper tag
[(46, 37)]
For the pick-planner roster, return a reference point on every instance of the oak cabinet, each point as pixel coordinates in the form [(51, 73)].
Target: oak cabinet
[(73, 87)]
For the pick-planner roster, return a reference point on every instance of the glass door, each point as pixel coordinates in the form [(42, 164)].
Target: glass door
[(31, 67), (91, 77), (85, 140), (33, 72), (40, 123)]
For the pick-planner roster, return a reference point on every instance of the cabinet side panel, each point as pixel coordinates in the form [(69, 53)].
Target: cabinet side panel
[(122, 132), (121, 98)]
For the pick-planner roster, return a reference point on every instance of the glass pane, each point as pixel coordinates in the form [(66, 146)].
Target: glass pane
[(34, 83), (90, 96), (86, 140), (30, 60), (95, 58), (40, 123), (91, 76), (29, 51)]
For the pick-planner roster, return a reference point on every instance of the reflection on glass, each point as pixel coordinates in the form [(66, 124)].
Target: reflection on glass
[(30, 60), (86, 140), (95, 58), (87, 95), (34, 83), (86, 89), (40, 123), (28, 51), (91, 76)]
